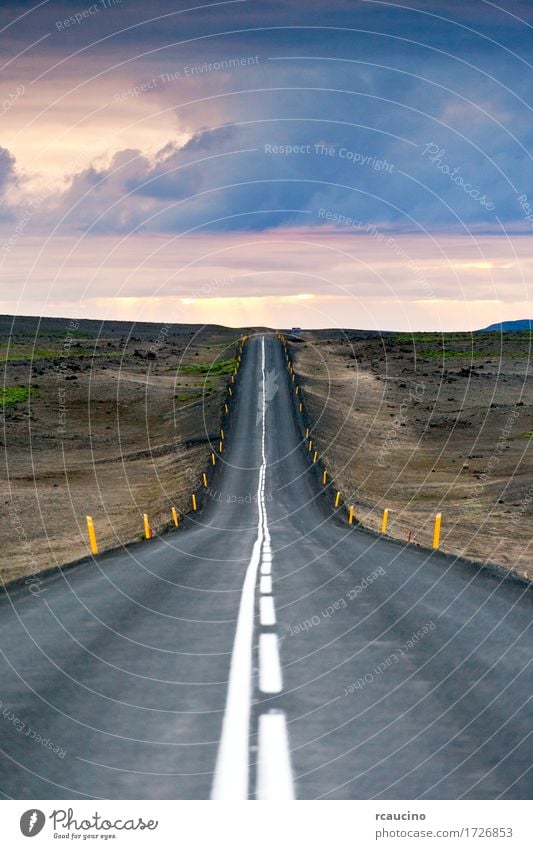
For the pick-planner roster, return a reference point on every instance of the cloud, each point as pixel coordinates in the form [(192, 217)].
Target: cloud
[(7, 180), (265, 172)]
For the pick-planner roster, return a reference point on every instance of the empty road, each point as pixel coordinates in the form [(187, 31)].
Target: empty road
[(266, 650)]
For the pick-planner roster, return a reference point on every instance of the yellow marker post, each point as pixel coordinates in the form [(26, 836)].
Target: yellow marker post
[(297, 389), (315, 456), (233, 378), (337, 499), (193, 501), (204, 479), (293, 378), (306, 432), (301, 406), (384, 521), (220, 446), (226, 409), (221, 433), (147, 531), (92, 535), (229, 390), (436, 532), (310, 444), (324, 478), (213, 459), (175, 516), (352, 513)]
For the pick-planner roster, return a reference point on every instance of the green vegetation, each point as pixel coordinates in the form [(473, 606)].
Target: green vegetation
[(446, 354), (21, 353), (11, 395), (527, 435), (193, 396), (217, 368), (18, 351), (73, 334), (429, 337)]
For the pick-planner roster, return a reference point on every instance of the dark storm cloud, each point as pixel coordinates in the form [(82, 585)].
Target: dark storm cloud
[(406, 172)]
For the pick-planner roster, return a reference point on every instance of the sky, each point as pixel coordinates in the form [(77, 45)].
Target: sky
[(354, 163)]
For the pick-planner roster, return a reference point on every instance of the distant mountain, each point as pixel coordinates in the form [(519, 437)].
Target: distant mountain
[(507, 326)]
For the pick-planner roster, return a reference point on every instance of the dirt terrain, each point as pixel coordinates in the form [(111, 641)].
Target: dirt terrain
[(424, 423), (107, 419)]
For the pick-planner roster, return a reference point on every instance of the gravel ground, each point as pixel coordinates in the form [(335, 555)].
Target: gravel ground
[(115, 424)]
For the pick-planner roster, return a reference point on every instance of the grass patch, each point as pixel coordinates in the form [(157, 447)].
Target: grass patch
[(25, 353), (11, 395), (73, 334), (446, 354), (217, 368), (193, 396), (428, 337), (527, 435)]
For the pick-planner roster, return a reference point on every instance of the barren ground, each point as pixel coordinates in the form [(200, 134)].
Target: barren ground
[(425, 423), (110, 420)]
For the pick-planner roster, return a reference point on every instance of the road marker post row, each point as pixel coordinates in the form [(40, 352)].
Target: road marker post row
[(351, 512), (292, 374), (148, 532), (309, 442), (205, 481)]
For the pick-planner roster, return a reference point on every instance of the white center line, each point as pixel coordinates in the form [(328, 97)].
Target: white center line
[(267, 613), (232, 766), (274, 776), (265, 585), (270, 680)]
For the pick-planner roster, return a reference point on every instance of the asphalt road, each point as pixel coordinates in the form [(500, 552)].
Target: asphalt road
[(266, 650)]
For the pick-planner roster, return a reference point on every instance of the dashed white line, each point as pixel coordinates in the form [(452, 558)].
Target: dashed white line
[(266, 568), (265, 585), (270, 680), (267, 613), (274, 776)]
